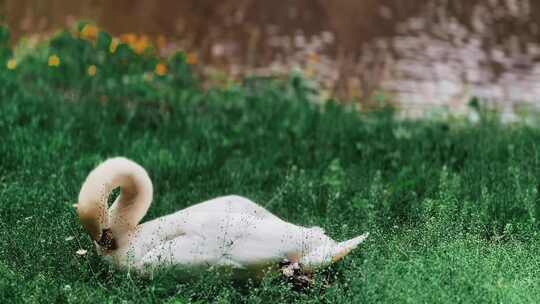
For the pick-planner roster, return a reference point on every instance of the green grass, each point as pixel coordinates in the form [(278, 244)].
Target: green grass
[(452, 208)]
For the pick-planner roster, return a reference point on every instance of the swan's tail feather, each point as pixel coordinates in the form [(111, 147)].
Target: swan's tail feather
[(331, 252), (344, 248)]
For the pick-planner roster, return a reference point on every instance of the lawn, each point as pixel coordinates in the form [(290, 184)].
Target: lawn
[(452, 207)]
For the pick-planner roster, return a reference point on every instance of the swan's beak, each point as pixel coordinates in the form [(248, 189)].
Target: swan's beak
[(107, 240), (92, 220)]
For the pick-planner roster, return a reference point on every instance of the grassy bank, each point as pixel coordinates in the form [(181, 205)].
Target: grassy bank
[(452, 208)]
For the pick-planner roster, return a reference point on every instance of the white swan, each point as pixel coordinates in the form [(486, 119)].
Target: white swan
[(226, 231)]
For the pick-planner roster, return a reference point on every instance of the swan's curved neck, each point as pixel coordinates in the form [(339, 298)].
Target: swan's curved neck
[(127, 210)]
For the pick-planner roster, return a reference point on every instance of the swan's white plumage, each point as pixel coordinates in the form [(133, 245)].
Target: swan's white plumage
[(227, 231)]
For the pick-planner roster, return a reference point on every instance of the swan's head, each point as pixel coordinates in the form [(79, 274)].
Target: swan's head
[(93, 217), (107, 225)]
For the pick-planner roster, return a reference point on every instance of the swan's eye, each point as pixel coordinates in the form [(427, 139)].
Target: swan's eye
[(107, 240)]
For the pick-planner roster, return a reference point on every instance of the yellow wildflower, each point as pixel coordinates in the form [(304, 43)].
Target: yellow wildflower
[(129, 38), (192, 58), (161, 69), (54, 61), (140, 45), (11, 64), (89, 32), (92, 70), (114, 45)]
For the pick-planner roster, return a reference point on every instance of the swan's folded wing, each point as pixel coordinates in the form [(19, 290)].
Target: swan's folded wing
[(233, 239), (233, 204), (186, 251)]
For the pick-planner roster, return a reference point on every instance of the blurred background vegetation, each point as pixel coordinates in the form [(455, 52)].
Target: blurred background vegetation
[(422, 55)]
